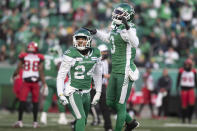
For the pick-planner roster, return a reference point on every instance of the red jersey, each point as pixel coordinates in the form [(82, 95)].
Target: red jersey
[(187, 78), (31, 63)]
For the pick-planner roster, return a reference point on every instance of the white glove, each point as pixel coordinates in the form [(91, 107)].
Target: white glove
[(45, 90), (96, 98), (63, 99), (133, 75)]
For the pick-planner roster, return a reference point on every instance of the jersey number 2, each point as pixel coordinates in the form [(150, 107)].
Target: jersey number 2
[(80, 69)]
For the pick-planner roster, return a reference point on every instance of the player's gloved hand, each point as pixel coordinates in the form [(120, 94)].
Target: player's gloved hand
[(124, 21), (63, 99), (133, 75), (92, 31), (44, 90), (96, 98)]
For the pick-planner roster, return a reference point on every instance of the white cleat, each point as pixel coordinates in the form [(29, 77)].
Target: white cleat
[(43, 118), (62, 119), (18, 124), (35, 125)]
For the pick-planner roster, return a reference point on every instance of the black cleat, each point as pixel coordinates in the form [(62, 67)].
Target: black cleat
[(73, 125), (132, 125)]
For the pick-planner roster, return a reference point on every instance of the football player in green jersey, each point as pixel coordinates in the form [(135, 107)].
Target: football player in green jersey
[(82, 63), (51, 65), (123, 42)]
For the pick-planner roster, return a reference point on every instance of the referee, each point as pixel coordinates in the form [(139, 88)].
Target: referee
[(105, 73)]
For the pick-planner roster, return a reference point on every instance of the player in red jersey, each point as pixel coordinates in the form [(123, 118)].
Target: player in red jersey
[(32, 65), (147, 91), (187, 80), (17, 82)]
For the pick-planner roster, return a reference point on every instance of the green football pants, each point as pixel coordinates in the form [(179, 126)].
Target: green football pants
[(79, 105), (118, 92), (48, 101)]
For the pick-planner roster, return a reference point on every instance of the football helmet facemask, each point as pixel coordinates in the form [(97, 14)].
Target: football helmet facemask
[(82, 39), (123, 10)]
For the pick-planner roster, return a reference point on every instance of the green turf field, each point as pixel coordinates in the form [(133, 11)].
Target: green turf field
[(170, 124)]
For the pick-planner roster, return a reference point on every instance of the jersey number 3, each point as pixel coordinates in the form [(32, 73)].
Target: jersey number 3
[(113, 49)]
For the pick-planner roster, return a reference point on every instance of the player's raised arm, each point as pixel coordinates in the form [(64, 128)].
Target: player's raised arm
[(130, 37), (129, 33), (102, 35)]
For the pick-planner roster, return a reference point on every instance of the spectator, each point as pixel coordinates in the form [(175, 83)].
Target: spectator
[(164, 85), (171, 57), (184, 44)]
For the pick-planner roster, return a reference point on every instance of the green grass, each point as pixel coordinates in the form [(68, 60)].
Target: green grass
[(170, 124)]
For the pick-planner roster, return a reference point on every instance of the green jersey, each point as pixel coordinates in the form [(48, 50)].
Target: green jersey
[(123, 53), (50, 66), (81, 71)]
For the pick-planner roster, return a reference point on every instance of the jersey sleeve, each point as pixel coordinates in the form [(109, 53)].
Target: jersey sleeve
[(22, 55), (181, 70), (130, 37), (41, 56), (104, 36), (66, 64)]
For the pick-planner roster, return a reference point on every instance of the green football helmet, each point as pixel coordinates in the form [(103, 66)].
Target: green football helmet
[(123, 10), (82, 39), (55, 50)]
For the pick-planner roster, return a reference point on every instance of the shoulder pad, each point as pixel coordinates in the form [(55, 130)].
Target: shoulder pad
[(41, 56), (70, 52), (181, 70)]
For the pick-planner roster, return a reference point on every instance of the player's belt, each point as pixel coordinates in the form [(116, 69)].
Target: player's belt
[(31, 79), (84, 91)]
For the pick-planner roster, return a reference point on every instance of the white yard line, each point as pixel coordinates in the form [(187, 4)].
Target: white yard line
[(180, 125)]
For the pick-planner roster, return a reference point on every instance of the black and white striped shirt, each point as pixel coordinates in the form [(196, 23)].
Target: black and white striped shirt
[(105, 70)]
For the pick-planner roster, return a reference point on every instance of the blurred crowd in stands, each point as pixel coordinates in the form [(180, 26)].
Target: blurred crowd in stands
[(167, 29)]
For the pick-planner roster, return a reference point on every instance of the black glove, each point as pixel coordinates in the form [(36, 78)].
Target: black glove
[(124, 21), (92, 31)]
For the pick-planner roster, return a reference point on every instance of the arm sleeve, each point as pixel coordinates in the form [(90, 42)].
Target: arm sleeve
[(103, 36), (97, 76), (65, 66), (130, 37)]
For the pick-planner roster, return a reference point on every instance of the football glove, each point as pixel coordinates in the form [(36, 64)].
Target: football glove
[(96, 98), (124, 21), (63, 99), (133, 75), (92, 31)]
